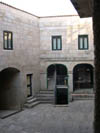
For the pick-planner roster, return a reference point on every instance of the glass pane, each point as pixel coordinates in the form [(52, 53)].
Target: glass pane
[(85, 43), (5, 43), (9, 40), (81, 43), (5, 40), (9, 44), (9, 36), (54, 43), (58, 43), (28, 80), (28, 90), (5, 33)]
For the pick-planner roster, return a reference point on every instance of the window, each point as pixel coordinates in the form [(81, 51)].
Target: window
[(7, 40), (29, 85), (56, 43), (83, 42)]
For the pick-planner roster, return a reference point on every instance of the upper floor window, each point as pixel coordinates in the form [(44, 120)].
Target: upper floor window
[(56, 43), (8, 42), (83, 42)]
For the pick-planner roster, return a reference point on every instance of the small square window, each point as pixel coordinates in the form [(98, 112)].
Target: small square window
[(8, 40), (56, 43), (83, 42)]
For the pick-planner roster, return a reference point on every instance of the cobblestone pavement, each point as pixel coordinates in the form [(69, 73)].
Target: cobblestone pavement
[(46, 118)]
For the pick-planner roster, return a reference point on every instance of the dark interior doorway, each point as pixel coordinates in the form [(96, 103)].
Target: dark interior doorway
[(83, 76), (9, 86), (29, 85), (56, 75), (58, 80)]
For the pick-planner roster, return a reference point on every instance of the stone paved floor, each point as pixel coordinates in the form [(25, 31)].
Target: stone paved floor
[(46, 118)]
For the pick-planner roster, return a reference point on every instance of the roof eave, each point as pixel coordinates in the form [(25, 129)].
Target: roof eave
[(83, 7)]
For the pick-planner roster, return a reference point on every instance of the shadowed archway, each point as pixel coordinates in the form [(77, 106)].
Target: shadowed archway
[(9, 88), (83, 77), (56, 75)]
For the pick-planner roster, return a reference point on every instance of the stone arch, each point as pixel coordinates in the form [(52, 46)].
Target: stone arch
[(83, 77), (9, 88), (17, 67), (55, 63), (56, 75)]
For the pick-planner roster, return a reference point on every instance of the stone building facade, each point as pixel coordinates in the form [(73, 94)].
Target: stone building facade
[(24, 67), (69, 28)]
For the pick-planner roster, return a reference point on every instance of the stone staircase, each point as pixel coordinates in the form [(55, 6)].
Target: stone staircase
[(44, 96), (83, 95), (47, 96), (31, 102)]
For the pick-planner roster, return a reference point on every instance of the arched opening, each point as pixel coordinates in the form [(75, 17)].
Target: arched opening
[(56, 75), (58, 81), (9, 88), (83, 77)]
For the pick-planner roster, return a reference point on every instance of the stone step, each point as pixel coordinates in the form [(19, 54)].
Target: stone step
[(31, 100), (45, 95), (28, 98), (46, 92), (45, 98), (82, 96), (84, 91), (47, 102), (31, 105)]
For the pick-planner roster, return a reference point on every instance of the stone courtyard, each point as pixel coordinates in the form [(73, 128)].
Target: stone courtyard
[(77, 117)]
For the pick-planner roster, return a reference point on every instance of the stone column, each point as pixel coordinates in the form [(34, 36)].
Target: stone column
[(70, 81), (70, 84), (43, 80)]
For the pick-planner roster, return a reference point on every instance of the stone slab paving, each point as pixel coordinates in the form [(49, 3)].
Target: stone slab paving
[(47, 118), (7, 113)]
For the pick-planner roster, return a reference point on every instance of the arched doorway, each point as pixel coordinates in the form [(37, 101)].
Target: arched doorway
[(9, 87), (56, 75), (83, 77)]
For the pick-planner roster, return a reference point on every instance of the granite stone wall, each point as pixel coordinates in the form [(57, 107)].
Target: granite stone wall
[(69, 27), (32, 49), (25, 55)]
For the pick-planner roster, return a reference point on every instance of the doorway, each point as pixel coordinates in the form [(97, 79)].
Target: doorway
[(83, 77), (10, 89), (29, 85), (56, 75)]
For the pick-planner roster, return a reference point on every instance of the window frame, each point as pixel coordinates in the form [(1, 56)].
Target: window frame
[(30, 84), (11, 44), (83, 36), (57, 37)]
